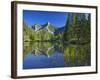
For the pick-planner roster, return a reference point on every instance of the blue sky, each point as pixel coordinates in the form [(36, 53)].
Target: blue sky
[(31, 17)]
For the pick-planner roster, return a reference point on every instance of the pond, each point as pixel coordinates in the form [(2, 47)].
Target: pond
[(55, 55)]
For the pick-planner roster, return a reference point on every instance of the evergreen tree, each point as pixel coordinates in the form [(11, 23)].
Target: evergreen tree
[(77, 28)]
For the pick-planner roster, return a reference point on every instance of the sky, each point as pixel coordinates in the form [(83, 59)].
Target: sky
[(31, 17)]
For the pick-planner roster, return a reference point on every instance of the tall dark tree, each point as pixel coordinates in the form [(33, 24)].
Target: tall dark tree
[(77, 28)]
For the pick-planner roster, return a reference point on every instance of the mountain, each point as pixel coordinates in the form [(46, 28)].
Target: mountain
[(46, 32), (43, 32), (76, 29), (36, 27), (48, 26), (59, 30)]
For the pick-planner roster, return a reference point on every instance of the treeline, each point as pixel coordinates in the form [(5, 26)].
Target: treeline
[(77, 28), (40, 35), (32, 35)]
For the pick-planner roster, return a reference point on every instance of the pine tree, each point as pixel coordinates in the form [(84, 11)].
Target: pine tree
[(77, 28)]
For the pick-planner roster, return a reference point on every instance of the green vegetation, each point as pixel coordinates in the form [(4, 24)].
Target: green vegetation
[(39, 48), (51, 27), (73, 40), (26, 32), (38, 34), (75, 55), (77, 28)]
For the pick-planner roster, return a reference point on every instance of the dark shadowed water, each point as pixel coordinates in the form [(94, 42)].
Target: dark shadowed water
[(55, 54)]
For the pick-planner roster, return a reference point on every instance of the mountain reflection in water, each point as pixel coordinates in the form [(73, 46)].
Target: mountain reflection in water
[(55, 54)]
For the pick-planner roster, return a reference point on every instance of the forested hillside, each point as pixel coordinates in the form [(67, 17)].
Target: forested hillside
[(76, 29)]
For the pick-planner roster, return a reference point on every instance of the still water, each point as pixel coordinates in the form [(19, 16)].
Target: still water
[(55, 54)]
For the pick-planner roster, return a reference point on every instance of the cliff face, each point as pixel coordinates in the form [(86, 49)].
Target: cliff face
[(40, 32), (77, 29)]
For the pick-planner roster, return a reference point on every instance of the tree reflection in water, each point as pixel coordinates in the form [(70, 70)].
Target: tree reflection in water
[(72, 54)]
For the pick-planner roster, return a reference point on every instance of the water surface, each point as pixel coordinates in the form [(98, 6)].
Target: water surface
[(54, 55)]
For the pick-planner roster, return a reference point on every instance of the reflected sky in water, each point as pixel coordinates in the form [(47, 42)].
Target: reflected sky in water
[(53, 55)]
